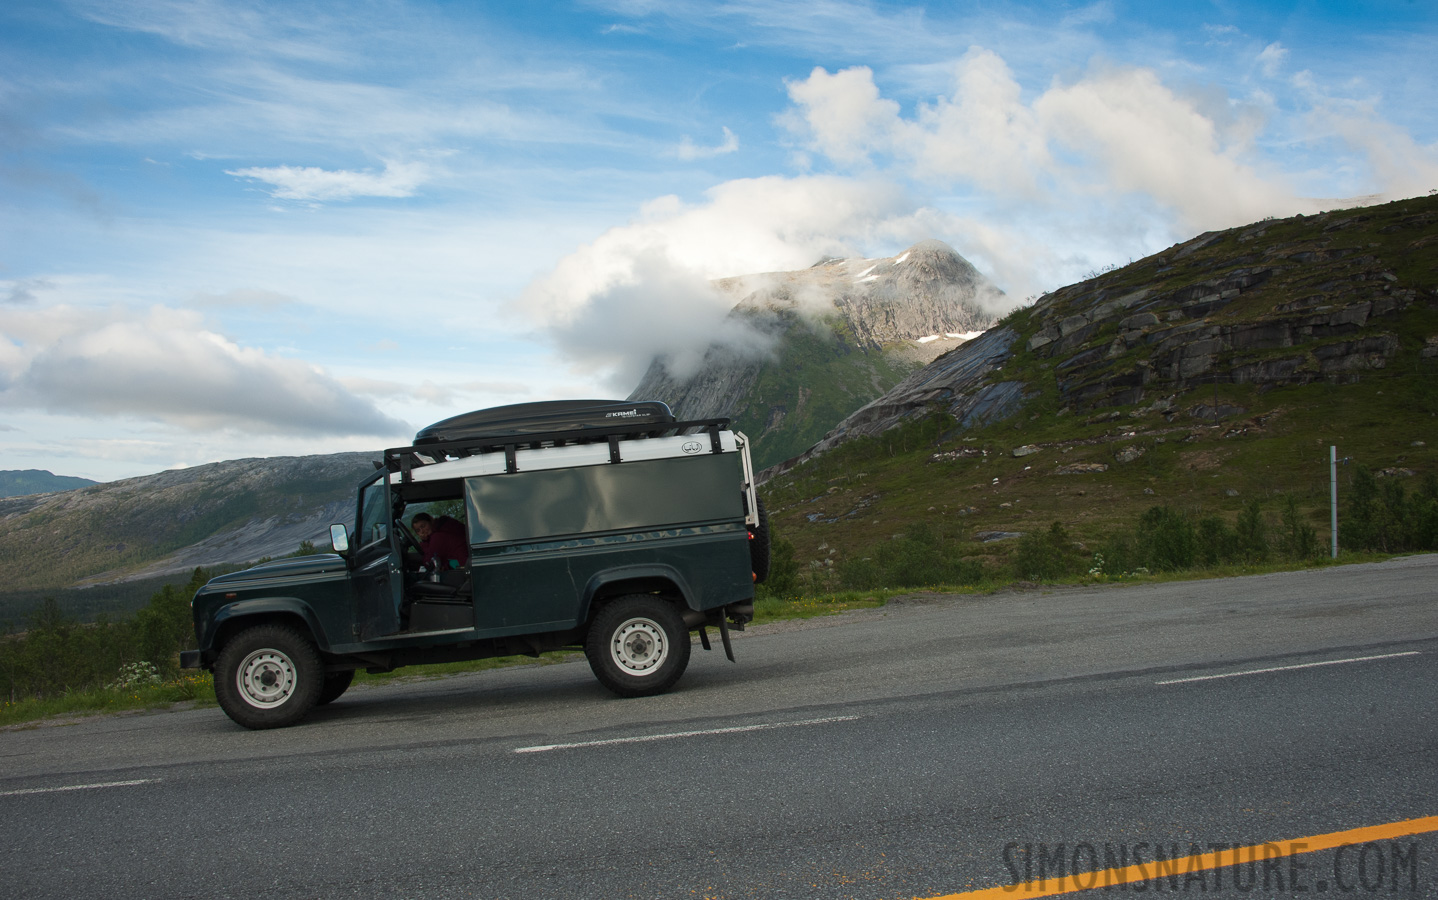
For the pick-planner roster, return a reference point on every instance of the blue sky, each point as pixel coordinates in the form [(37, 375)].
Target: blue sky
[(236, 229)]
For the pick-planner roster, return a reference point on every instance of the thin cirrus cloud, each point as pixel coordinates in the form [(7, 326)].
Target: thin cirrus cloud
[(316, 184), (688, 150), (164, 365), (433, 393)]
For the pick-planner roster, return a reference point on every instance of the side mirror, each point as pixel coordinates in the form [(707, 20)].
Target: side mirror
[(340, 539)]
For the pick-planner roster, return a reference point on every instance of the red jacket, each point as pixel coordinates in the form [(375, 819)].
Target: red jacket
[(447, 542)]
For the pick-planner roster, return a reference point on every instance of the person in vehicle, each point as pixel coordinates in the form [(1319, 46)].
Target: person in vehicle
[(442, 541)]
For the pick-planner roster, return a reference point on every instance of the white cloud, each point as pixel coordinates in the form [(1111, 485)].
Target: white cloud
[(1272, 58), (1221, 35), (844, 112), (643, 290), (983, 133), (1138, 136), (312, 183), (1401, 166), (1108, 133), (164, 365), (688, 150)]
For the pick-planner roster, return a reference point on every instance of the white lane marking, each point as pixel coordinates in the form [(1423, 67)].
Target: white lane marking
[(1326, 662), (541, 748), (78, 787)]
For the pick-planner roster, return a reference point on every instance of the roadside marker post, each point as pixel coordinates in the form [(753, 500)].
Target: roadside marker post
[(1333, 495)]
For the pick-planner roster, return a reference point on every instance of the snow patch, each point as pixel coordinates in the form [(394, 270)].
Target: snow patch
[(966, 336), (870, 278), (902, 258), (867, 271), (925, 340)]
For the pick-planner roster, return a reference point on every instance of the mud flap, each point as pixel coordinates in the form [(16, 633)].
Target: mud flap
[(724, 636)]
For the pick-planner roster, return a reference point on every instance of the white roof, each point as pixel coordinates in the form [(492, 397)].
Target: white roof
[(569, 456)]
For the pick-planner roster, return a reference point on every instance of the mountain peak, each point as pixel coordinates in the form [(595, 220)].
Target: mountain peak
[(843, 332)]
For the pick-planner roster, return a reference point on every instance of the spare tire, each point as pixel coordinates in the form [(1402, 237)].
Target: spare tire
[(759, 546)]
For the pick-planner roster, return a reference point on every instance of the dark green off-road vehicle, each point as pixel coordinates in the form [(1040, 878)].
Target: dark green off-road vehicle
[(591, 524)]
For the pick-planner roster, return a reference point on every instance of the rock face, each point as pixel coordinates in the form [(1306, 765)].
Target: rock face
[(227, 512), (1293, 301), (844, 331)]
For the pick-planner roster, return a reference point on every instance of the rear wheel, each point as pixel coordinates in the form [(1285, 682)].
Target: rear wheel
[(268, 676), (638, 646)]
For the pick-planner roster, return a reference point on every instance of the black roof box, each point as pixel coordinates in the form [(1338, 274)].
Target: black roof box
[(546, 417)]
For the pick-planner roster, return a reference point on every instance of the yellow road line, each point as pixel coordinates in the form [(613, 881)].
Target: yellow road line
[(1183, 865)]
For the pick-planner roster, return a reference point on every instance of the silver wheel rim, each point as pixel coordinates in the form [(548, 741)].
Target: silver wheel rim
[(639, 647), (266, 678)]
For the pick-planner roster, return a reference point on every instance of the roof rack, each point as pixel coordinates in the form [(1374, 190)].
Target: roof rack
[(509, 441)]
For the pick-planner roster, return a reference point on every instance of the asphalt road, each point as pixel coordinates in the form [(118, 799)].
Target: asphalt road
[(938, 745)]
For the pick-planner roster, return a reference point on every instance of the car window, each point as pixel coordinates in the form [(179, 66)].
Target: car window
[(374, 514)]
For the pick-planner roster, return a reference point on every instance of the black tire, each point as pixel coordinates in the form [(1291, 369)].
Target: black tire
[(638, 645), (268, 676), (336, 683), (759, 546)]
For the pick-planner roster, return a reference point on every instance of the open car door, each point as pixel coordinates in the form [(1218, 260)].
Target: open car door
[(379, 569)]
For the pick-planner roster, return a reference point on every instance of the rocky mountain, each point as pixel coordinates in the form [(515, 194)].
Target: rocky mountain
[(1330, 298), (1209, 380), (843, 332), (138, 528), (19, 482)]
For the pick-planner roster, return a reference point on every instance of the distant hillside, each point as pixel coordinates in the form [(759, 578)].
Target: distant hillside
[(845, 331), (19, 482), (1212, 373), (140, 528)]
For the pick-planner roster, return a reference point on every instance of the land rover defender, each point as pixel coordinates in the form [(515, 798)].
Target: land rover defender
[(591, 524)]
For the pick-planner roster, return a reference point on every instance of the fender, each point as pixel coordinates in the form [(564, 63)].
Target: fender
[(264, 607), (650, 576)]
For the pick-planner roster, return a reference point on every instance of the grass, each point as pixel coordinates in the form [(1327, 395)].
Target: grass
[(780, 609), (197, 689)]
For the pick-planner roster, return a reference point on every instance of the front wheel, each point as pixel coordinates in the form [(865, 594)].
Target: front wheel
[(268, 676), (638, 646)]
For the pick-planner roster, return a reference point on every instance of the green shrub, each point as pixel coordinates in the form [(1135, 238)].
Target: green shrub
[(1298, 540), (57, 654), (1252, 534), (920, 557), (1045, 556), (783, 580), (1166, 540), (1216, 542), (1381, 516)]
